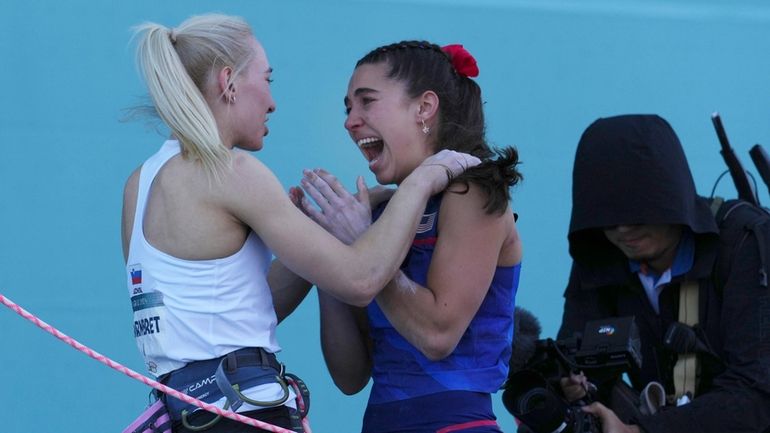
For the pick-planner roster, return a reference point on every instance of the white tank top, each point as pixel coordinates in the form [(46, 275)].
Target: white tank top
[(191, 310)]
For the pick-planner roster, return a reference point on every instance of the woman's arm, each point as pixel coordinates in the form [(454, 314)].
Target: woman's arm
[(252, 194), (129, 207), (467, 251), (345, 343), (470, 246), (344, 329), (287, 288)]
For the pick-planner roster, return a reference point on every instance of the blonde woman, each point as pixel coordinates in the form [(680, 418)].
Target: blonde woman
[(202, 220)]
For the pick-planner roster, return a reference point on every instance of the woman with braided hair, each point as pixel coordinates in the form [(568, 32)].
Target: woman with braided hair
[(202, 219), (437, 339)]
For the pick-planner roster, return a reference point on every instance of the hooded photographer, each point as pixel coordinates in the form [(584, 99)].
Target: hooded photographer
[(644, 244)]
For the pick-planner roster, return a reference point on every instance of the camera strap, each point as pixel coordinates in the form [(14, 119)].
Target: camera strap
[(686, 367)]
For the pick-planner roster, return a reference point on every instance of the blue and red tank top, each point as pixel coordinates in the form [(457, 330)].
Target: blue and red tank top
[(479, 363)]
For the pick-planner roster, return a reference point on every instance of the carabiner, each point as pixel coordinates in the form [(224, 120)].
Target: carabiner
[(205, 426), (280, 401)]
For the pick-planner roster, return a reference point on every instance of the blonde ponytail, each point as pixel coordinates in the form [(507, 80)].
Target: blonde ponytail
[(176, 65)]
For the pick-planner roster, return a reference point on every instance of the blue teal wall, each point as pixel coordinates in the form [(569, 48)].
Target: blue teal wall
[(548, 68)]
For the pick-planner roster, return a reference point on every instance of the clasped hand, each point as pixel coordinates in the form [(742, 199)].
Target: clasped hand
[(342, 214), (347, 216)]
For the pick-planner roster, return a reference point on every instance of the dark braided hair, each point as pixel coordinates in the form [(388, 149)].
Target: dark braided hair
[(423, 66)]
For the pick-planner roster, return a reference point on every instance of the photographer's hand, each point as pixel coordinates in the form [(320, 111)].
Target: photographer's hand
[(610, 422), (576, 386)]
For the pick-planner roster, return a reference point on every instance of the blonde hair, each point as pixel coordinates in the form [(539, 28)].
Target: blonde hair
[(177, 64)]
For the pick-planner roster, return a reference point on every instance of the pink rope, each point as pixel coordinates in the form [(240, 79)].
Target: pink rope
[(147, 381)]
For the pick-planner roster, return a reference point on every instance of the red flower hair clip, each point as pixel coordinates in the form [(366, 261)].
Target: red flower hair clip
[(462, 60)]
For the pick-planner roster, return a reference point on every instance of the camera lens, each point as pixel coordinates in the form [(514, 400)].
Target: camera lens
[(534, 399), (529, 398)]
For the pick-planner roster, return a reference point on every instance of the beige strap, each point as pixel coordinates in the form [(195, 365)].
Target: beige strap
[(686, 368), (716, 203)]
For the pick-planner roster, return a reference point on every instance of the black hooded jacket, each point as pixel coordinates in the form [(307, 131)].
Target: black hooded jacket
[(632, 170)]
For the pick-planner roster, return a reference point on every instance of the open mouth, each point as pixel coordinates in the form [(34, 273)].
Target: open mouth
[(371, 147)]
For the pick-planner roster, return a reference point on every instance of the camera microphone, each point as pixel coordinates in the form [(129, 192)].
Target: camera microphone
[(526, 333)]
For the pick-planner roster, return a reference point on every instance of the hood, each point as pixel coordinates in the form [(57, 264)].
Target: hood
[(630, 170)]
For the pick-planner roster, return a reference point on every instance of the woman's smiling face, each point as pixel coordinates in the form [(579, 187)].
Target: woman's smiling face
[(383, 122)]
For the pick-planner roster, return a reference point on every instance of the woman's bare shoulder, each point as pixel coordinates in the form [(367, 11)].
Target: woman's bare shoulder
[(132, 183)]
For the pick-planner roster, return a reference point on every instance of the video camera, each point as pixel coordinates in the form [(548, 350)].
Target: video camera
[(532, 392)]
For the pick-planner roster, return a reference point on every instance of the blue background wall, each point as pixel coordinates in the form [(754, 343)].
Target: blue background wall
[(548, 68)]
